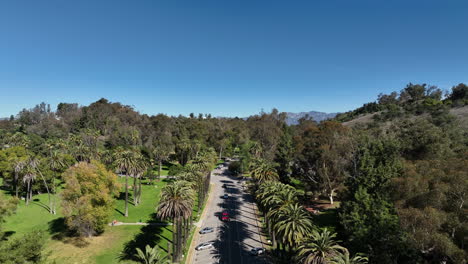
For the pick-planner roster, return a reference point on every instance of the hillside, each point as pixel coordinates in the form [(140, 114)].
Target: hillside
[(293, 118), (460, 112)]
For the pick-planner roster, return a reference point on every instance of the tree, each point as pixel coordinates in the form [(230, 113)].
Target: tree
[(176, 203), (7, 207), (293, 225), (319, 248), (161, 152), (57, 163), (151, 255), (125, 162), (88, 197), (263, 171), (345, 258), (27, 248)]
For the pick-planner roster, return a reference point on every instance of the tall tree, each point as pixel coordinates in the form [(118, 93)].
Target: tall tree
[(176, 203)]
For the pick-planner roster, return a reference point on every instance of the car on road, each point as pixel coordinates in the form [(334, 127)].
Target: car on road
[(257, 251), (224, 185), (225, 216), (226, 196), (205, 245), (206, 230)]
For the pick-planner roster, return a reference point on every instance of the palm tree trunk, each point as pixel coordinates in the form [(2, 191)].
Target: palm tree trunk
[(16, 187), (139, 190), (159, 169), (126, 195), (48, 192), (27, 193), (174, 240), (135, 191)]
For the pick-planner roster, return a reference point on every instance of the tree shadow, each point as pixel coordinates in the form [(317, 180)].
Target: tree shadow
[(59, 231), (120, 212), (149, 235), (41, 204)]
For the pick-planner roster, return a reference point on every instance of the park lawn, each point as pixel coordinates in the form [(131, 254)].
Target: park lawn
[(150, 196), (105, 248)]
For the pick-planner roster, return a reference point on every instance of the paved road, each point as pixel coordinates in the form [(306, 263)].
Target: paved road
[(233, 240)]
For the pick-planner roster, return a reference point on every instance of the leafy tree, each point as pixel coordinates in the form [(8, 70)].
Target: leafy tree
[(25, 249), (7, 207), (88, 197)]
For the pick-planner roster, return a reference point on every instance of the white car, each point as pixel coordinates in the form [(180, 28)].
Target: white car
[(257, 251), (205, 245)]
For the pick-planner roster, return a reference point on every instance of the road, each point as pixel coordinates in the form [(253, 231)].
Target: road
[(233, 240)]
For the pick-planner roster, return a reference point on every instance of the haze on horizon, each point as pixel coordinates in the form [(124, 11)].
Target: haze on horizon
[(226, 58)]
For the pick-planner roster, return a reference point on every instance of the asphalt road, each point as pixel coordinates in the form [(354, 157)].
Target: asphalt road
[(233, 240)]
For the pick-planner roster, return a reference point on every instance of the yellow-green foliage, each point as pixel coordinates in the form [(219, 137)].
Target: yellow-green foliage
[(88, 197)]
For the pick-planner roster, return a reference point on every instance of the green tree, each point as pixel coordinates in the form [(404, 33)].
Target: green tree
[(293, 225), (88, 197), (126, 162), (25, 249), (176, 204), (319, 248)]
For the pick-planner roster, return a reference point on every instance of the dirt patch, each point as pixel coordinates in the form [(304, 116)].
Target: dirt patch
[(80, 250)]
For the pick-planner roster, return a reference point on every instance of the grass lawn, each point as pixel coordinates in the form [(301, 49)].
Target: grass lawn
[(107, 248)]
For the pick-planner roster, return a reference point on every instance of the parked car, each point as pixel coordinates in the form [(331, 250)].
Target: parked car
[(205, 245), (226, 196), (225, 216), (224, 185), (257, 251), (206, 230)]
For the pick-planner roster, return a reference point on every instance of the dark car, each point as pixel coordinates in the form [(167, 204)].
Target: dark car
[(257, 251), (224, 185), (206, 230), (226, 196)]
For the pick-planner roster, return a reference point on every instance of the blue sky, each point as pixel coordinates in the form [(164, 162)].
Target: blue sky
[(227, 58)]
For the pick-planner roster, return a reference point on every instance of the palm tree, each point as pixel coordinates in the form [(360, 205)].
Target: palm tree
[(320, 248), (125, 162), (263, 171), (56, 163), (140, 166), (344, 258), (293, 225), (176, 203), (151, 255), (31, 170), (161, 153), (18, 168)]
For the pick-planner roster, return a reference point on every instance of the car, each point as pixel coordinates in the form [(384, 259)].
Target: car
[(257, 251), (224, 185), (203, 246), (225, 216), (206, 230), (226, 196)]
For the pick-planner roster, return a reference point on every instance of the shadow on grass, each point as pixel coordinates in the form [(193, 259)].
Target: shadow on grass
[(149, 235), (58, 231)]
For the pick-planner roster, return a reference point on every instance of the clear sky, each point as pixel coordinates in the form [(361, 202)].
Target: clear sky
[(227, 57)]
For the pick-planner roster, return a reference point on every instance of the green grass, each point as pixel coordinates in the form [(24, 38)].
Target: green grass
[(105, 248), (149, 200)]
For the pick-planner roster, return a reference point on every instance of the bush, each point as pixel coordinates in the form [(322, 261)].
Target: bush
[(235, 167)]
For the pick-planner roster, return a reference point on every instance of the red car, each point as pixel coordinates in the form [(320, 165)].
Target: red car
[(225, 216)]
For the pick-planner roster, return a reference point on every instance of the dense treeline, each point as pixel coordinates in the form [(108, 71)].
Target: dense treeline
[(400, 185)]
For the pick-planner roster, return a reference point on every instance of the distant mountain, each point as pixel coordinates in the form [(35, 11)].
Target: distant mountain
[(293, 118)]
